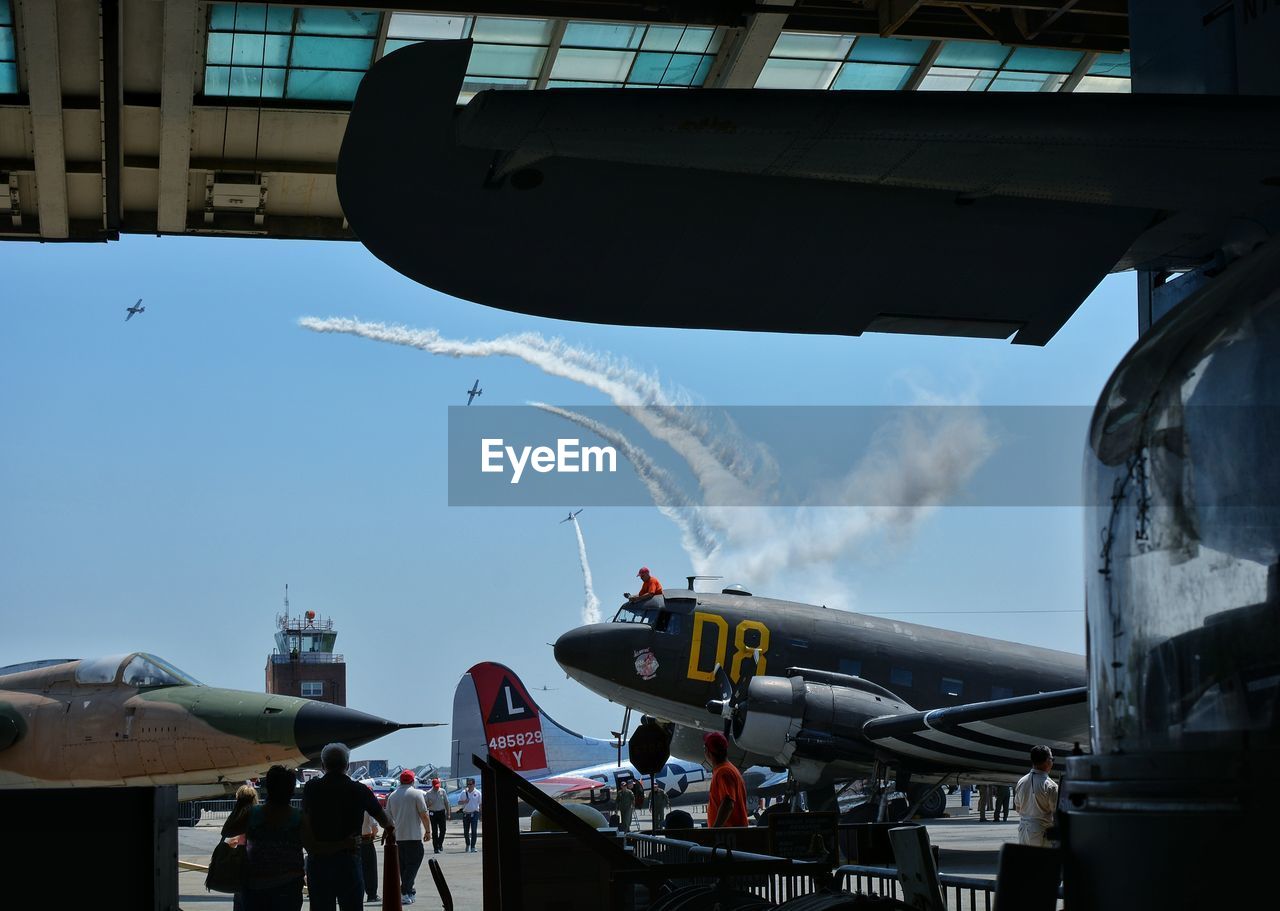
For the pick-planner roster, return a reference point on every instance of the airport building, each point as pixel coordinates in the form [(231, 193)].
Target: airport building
[(304, 662)]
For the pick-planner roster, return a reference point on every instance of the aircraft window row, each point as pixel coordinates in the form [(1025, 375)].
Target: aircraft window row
[(8, 51), (1001, 692), (899, 676), (851, 666), (951, 686)]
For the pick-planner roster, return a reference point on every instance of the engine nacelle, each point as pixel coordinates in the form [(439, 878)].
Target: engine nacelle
[(792, 717)]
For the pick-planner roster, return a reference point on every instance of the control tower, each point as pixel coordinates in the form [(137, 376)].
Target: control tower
[(303, 662)]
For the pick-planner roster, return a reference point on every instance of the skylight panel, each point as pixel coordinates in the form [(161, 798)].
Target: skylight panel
[(872, 76), (8, 51), (420, 27), (784, 73)]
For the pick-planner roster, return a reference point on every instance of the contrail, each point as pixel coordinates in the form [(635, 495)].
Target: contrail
[(723, 468), (915, 464), (591, 608), (699, 540)]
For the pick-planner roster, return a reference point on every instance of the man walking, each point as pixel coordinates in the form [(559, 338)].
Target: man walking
[(369, 856), (469, 806), (626, 805), (407, 807), (334, 806), (1036, 798), (984, 801), (438, 808)]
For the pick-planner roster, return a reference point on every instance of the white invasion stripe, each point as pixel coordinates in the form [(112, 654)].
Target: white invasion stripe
[(960, 741), (985, 727), (911, 749)]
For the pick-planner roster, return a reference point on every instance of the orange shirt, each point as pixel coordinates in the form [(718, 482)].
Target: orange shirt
[(651, 586), (726, 781)]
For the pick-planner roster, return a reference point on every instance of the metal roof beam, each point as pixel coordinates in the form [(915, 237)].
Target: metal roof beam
[(39, 20), (922, 68), (177, 89), (1078, 73), (553, 51), (745, 51), (112, 19)]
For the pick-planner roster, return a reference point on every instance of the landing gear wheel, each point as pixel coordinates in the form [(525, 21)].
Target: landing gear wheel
[(934, 804)]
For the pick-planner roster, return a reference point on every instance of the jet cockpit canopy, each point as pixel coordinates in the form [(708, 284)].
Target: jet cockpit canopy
[(136, 669)]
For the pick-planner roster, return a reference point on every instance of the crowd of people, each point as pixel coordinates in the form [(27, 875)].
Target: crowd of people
[(329, 843)]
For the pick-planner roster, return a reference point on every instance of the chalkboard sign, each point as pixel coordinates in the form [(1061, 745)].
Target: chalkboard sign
[(803, 836)]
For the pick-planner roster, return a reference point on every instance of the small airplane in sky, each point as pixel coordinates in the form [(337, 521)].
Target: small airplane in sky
[(134, 310), (571, 517), (474, 391)]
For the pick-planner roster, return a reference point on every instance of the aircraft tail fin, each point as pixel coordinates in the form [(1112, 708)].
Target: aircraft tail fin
[(494, 714)]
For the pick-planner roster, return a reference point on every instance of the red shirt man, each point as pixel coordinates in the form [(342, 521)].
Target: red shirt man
[(727, 802), (649, 586)]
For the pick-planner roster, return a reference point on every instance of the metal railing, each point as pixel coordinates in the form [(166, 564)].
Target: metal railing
[(979, 891), (216, 811), (776, 879), (308, 658)]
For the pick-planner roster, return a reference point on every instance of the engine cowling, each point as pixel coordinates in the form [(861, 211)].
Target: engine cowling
[(799, 717)]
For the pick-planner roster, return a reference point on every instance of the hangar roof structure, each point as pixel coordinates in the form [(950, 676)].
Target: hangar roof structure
[(223, 118)]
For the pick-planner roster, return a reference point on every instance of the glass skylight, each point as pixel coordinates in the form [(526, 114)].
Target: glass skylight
[(512, 53), (258, 50), (8, 51), (802, 60)]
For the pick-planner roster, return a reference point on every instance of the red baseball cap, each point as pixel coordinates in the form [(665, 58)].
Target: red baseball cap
[(406, 777), (716, 743), (644, 570)]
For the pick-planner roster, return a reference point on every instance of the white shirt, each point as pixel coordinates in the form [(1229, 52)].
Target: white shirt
[(403, 806), (1035, 798), (469, 801)]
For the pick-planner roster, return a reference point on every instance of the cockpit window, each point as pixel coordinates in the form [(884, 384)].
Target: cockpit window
[(668, 623), (99, 670), (629, 614), (149, 671)]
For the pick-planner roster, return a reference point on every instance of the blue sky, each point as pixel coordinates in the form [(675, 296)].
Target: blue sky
[(163, 479)]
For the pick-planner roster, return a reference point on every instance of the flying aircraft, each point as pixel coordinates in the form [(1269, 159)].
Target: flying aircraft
[(826, 693), (474, 391), (136, 720), (564, 764), (571, 517), (134, 310)]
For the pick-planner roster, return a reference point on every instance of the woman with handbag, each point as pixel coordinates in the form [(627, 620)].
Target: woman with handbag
[(245, 794), (274, 836)]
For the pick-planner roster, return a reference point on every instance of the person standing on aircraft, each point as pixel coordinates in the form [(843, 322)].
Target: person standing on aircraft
[(649, 586), (469, 806), (333, 808), (727, 800), (438, 807), (1036, 799), (626, 805), (407, 807)]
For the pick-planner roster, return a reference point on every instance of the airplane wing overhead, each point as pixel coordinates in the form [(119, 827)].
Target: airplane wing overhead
[(988, 215), (996, 735)]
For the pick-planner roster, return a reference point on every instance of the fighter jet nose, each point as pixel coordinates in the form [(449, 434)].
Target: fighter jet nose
[(319, 723), (574, 648)]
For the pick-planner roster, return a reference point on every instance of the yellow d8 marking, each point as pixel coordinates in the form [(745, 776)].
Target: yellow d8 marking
[(743, 649)]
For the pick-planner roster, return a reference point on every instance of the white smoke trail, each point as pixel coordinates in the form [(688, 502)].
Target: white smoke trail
[(913, 466), (591, 608), (724, 467), (698, 540)]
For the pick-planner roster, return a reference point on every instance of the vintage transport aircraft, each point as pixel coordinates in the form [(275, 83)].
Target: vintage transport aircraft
[(829, 694), (136, 720)]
